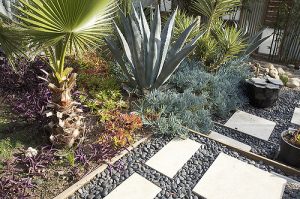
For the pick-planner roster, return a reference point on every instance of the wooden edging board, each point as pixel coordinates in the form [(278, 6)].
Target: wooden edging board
[(285, 168), (87, 178)]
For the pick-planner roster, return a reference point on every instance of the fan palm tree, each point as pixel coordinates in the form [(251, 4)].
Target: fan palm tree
[(57, 27), (213, 10), (12, 40)]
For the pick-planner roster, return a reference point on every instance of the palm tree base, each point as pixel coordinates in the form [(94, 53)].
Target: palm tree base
[(67, 123)]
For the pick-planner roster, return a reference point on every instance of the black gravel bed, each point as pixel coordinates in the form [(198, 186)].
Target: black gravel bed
[(258, 146), (185, 180), (281, 113)]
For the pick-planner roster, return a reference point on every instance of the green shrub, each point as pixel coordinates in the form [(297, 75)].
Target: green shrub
[(284, 78), (194, 95), (176, 110)]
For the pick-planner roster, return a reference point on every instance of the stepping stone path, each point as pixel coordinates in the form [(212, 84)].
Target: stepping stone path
[(296, 116), (227, 140), (173, 156), (135, 187), (227, 177), (251, 125), (243, 181)]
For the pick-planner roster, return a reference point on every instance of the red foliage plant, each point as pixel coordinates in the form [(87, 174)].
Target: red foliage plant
[(119, 131)]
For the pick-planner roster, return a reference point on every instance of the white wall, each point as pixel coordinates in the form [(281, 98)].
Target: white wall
[(166, 5), (266, 45)]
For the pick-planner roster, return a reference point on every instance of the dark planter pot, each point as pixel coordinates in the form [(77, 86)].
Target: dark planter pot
[(289, 153), (262, 96)]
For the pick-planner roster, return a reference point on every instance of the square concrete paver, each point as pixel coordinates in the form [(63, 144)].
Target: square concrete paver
[(231, 178), (296, 116), (135, 187), (229, 141), (171, 158), (251, 125)]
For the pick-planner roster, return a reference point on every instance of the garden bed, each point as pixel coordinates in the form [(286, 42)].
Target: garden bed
[(182, 184)]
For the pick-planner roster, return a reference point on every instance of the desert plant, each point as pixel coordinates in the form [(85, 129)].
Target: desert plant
[(171, 111), (149, 62), (224, 89), (80, 25), (213, 10), (294, 137), (182, 22), (119, 131)]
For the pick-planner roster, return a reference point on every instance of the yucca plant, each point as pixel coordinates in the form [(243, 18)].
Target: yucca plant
[(56, 28), (147, 59), (182, 22)]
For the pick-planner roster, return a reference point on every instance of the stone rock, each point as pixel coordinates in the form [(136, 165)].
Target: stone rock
[(273, 73), (275, 81), (293, 83), (280, 71), (277, 77), (269, 66), (291, 66)]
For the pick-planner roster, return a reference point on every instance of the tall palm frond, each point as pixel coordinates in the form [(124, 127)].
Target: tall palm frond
[(74, 24), (12, 39), (213, 10)]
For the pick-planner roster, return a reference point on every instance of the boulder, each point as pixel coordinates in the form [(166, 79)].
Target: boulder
[(291, 66), (280, 71), (293, 83), (269, 66), (273, 73)]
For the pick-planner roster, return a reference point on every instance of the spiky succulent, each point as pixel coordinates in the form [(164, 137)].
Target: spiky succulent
[(149, 59)]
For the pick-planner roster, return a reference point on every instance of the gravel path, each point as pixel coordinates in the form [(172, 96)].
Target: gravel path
[(258, 146), (182, 184), (281, 113)]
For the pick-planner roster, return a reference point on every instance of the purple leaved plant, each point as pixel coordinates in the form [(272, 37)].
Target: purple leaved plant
[(23, 90), (36, 165), (13, 186)]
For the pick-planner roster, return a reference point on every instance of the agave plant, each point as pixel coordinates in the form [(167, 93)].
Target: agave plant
[(149, 59), (57, 27)]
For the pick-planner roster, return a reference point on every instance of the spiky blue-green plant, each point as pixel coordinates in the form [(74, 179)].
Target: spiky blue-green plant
[(148, 58)]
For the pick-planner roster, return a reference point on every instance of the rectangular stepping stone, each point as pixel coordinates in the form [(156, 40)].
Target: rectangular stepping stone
[(171, 158), (251, 125), (135, 187), (229, 141), (231, 178), (296, 116)]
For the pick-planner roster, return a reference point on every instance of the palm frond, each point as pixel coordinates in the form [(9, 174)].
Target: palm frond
[(12, 39), (81, 23), (213, 10)]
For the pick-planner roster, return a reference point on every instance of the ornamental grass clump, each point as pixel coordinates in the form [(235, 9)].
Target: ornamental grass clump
[(148, 58)]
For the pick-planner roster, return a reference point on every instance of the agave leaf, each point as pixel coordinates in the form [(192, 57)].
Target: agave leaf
[(136, 49), (164, 47), (182, 38), (154, 46), (255, 42), (118, 57), (172, 64)]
